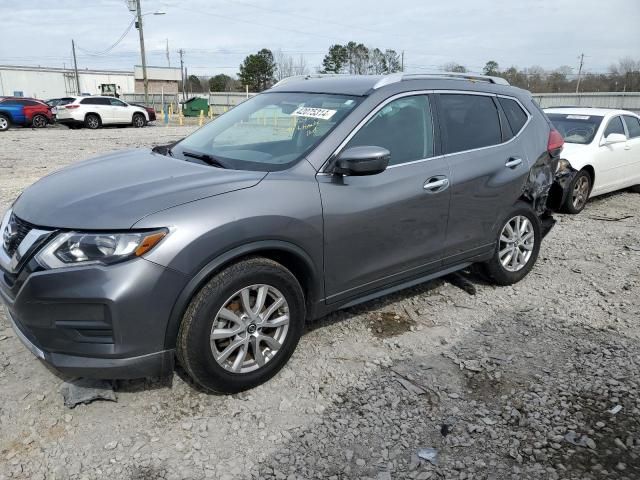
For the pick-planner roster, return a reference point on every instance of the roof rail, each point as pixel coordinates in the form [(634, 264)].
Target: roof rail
[(399, 77), (309, 76)]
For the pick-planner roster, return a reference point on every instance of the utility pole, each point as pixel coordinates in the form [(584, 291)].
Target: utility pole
[(402, 62), (579, 72), (144, 58), (181, 52), (168, 58), (75, 65)]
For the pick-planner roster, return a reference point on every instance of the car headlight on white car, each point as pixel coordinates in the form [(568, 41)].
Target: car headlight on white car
[(77, 248)]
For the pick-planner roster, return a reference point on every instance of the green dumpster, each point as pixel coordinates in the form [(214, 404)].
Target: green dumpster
[(193, 106)]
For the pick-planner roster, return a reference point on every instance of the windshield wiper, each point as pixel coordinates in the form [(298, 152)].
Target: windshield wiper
[(206, 158)]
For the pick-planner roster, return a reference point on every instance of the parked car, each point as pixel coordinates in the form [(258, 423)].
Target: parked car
[(150, 110), (603, 145), (220, 247), (94, 112), (25, 112), (54, 102)]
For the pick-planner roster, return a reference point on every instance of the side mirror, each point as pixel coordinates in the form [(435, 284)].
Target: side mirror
[(366, 160), (614, 138)]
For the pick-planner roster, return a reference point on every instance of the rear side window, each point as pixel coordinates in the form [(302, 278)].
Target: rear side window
[(470, 121), (28, 103), (633, 125), (615, 126), (95, 101), (515, 115), (403, 126)]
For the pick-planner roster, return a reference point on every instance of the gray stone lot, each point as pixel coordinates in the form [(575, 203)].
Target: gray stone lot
[(536, 381)]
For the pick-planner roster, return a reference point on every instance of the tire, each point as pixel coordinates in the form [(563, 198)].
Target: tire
[(5, 123), (205, 315), (578, 194), (635, 189), (138, 120), (92, 121), (39, 121), (509, 274)]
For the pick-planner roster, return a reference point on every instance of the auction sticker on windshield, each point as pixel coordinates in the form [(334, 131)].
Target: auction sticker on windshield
[(578, 117), (311, 112)]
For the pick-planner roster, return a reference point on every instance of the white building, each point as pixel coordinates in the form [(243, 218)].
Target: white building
[(46, 82)]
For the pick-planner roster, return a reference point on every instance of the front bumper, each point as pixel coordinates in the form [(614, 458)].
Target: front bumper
[(96, 321)]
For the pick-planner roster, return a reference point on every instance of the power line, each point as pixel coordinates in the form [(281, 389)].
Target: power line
[(114, 45)]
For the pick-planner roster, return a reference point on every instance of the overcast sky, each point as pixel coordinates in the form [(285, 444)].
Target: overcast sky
[(217, 34)]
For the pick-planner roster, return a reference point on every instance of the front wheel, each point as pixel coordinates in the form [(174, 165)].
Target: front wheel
[(39, 121), (579, 190), (139, 121), (5, 123), (242, 327), (516, 249)]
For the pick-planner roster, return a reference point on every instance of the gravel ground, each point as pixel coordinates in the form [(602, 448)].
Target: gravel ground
[(510, 383)]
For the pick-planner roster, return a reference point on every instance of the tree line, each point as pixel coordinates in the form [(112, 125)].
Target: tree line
[(261, 70)]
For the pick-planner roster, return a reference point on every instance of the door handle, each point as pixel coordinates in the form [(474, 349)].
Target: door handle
[(513, 162), (436, 184)]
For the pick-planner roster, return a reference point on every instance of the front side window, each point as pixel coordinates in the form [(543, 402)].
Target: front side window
[(633, 125), (614, 126), (268, 132), (470, 121), (576, 128), (116, 103), (403, 126)]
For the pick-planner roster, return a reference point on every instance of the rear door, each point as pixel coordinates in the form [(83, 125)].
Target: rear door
[(488, 165), (383, 229)]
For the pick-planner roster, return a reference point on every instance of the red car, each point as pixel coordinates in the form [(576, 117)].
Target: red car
[(37, 113)]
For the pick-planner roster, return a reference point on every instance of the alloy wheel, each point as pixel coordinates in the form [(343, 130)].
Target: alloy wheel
[(250, 328), (4, 124), (516, 243), (138, 121), (92, 122), (580, 192), (39, 121)]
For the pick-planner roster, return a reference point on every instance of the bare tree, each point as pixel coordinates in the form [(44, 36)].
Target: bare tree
[(454, 67), (286, 66)]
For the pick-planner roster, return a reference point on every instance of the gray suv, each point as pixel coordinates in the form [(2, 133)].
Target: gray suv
[(319, 194)]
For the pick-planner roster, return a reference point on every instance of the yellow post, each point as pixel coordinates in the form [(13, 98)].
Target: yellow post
[(201, 118), (210, 112), (170, 110), (180, 117)]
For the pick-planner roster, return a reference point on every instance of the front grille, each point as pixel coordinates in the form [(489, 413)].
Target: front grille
[(19, 230)]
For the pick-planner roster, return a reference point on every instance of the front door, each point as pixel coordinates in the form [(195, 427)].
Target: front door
[(382, 229), (612, 160)]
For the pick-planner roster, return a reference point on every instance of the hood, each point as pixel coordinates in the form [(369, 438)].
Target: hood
[(117, 190), (572, 150)]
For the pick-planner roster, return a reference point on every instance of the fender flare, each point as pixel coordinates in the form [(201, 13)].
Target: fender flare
[(199, 279)]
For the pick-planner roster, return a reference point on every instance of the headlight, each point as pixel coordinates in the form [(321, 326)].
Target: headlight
[(76, 248)]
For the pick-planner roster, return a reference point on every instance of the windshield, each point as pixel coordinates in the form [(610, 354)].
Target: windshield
[(576, 128), (269, 132)]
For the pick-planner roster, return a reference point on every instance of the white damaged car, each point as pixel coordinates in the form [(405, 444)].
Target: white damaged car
[(603, 145)]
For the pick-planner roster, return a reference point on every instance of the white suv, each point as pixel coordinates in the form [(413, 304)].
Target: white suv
[(93, 112)]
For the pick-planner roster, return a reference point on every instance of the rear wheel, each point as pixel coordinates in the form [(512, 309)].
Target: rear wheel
[(242, 327), (578, 194), (39, 121), (5, 123), (635, 188), (138, 120), (92, 121), (516, 249)]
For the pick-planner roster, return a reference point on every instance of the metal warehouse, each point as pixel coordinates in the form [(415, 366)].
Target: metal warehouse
[(48, 82)]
